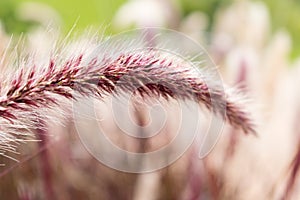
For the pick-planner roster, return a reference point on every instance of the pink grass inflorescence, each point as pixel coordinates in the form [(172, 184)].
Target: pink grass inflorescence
[(149, 73)]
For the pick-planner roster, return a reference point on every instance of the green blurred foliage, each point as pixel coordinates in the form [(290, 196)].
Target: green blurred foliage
[(83, 12), (284, 14), (10, 20)]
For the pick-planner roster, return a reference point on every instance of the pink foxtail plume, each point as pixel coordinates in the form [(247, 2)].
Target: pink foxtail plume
[(148, 72)]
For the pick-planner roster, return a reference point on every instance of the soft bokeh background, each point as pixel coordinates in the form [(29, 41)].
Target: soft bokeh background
[(284, 14), (255, 44)]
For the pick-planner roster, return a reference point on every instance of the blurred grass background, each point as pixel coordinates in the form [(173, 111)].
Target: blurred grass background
[(284, 14), (264, 68), (88, 12)]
